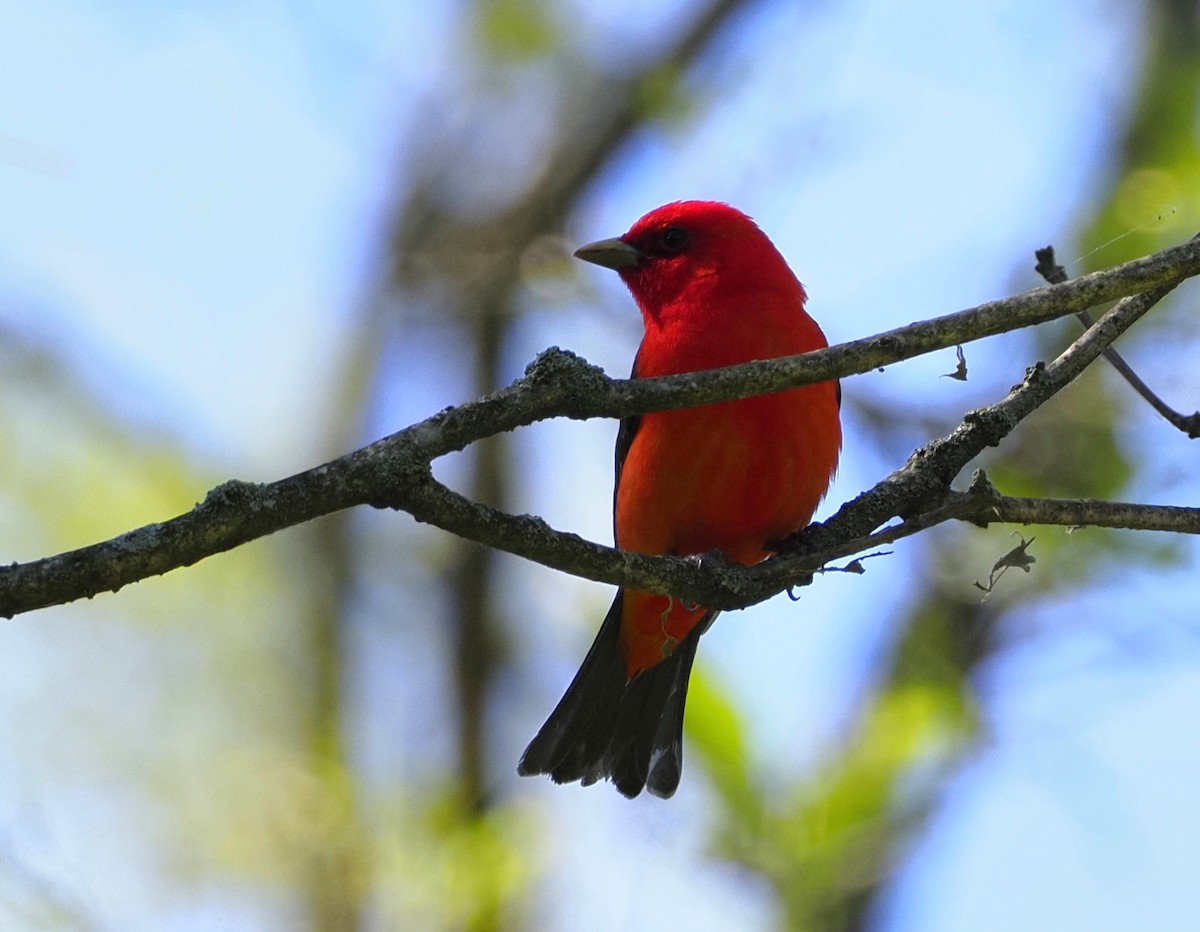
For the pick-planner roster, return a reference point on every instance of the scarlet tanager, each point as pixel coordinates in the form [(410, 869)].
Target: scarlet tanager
[(739, 476)]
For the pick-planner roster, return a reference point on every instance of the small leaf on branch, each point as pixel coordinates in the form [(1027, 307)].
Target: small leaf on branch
[(960, 371), (1018, 557)]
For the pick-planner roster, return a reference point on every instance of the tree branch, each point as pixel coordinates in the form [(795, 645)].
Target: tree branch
[(396, 471), (923, 482), (1189, 424), (983, 505)]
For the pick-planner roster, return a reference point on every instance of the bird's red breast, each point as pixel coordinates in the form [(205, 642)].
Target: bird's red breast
[(736, 476)]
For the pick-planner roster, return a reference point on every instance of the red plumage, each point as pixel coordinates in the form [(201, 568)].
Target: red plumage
[(737, 476)]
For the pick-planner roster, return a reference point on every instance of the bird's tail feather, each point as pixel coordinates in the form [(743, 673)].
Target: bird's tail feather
[(607, 727)]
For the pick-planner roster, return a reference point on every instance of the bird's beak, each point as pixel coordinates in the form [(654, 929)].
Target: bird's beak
[(610, 253)]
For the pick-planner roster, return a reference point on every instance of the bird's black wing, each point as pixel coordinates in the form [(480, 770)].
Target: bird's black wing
[(625, 433)]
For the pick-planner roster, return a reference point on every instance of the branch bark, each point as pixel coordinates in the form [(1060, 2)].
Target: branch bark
[(396, 471)]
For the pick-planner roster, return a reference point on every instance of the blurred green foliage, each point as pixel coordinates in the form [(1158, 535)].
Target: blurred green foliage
[(516, 30), (1156, 167)]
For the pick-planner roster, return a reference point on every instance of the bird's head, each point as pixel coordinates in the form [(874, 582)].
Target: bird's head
[(690, 251)]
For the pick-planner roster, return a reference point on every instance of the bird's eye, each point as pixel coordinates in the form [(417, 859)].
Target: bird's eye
[(673, 239)]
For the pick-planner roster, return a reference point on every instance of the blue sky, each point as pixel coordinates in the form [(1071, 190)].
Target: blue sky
[(193, 199)]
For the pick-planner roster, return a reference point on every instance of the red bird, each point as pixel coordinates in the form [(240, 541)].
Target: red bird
[(738, 476)]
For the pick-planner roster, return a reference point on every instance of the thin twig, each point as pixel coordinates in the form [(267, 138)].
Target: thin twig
[(1055, 274)]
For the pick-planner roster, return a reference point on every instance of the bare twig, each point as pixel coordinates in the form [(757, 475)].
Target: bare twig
[(983, 505), (1055, 274)]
